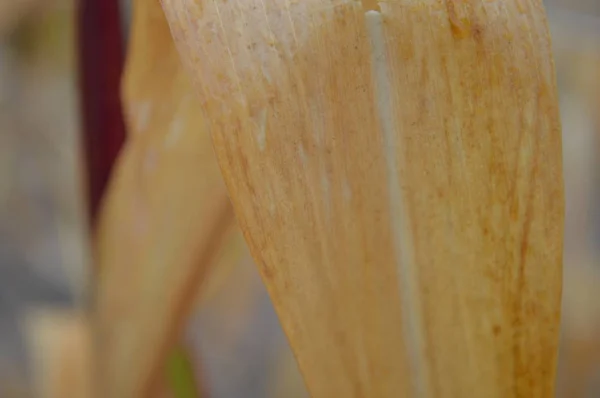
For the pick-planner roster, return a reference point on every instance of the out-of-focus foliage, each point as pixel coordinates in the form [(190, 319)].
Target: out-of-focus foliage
[(42, 236)]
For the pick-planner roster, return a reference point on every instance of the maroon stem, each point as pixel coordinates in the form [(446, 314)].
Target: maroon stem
[(100, 67)]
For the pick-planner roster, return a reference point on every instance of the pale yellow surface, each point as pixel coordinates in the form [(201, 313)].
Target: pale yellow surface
[(164, 219), (397, 176)]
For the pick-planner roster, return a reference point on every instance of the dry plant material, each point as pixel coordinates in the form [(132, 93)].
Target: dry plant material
[(164, 218), (60, 345), (396, 171)]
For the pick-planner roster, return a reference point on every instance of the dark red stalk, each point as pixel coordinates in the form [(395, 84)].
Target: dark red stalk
[(101, 61)]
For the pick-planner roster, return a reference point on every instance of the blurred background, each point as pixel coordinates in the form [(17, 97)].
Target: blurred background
[(235, 336)]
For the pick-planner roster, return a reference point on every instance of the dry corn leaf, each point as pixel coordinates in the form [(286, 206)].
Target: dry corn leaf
[(395, 167), (164, 219)]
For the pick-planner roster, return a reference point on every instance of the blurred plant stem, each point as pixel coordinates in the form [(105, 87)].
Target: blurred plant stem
[(101, 65)]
